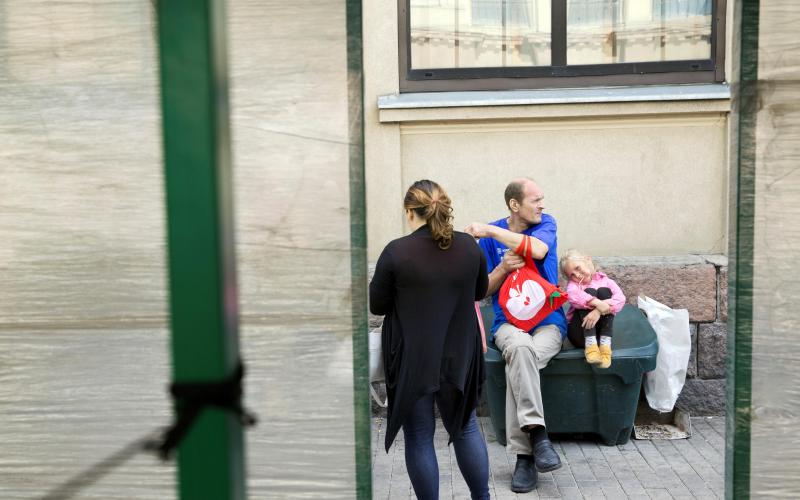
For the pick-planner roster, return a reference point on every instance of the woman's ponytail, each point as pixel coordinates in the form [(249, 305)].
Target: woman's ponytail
[(431, 203)]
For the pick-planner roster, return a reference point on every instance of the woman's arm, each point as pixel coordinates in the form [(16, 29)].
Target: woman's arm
[(481, 285), (381, 288)]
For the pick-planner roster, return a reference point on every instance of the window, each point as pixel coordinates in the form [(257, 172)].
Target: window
[(523, 44)]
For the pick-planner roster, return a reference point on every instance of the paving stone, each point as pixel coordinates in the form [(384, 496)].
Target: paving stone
[(710, 454), (636, 491), (701, 427), (697, 461), (507, 494), (570, 492), (380, 484), (613, 492), (717, 423), (639, 469), (547, 477), (547, 490), (711, 350), (659, 494), (565, 481), (603, 472), (649, 480)]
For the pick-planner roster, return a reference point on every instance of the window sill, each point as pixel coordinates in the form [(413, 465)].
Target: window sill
[(554, 103)]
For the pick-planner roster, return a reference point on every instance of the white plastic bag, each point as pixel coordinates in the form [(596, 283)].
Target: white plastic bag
[(376, 372), (663, 385)]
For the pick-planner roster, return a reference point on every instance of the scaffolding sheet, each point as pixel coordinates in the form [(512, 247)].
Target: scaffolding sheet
[(774, 175), (84, 327)]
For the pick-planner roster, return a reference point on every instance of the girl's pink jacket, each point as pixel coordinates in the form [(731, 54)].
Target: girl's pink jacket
[(578, 299)]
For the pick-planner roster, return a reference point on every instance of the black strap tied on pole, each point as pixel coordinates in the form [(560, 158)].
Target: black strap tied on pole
[(192, 397)]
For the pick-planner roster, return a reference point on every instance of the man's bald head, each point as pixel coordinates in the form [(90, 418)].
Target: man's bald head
[(516, 189)]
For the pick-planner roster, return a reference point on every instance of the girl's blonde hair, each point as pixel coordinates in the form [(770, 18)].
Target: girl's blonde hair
[(430, 202), (572, 254)]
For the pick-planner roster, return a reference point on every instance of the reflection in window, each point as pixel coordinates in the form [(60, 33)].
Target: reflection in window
[(621, 31), (479, 33), (490, 12)]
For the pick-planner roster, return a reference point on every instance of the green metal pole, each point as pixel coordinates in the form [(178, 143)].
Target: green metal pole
[(358, 248), (740, 317), (203, 301)]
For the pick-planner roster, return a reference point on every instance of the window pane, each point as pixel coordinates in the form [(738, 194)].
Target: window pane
[(620, 31), (479, 33)]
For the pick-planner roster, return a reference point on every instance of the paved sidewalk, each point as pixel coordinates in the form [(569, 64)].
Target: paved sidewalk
[(684, 468)]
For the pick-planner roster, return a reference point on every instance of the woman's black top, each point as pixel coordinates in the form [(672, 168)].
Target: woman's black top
[(431, 339)]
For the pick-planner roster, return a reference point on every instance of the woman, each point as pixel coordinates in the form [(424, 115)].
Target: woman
[(426, 285)]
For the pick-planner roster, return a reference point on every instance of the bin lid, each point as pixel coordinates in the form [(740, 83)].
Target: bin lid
[(633, 336)]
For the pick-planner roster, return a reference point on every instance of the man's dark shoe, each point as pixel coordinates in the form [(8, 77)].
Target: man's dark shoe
[(524, 478), (545, 456)]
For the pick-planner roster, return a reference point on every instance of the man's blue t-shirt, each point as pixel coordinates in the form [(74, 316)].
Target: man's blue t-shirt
[(545, 231)]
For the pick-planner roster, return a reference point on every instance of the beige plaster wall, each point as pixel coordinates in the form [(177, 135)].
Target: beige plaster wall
[(621, 179), (381, 141), (617, 186)]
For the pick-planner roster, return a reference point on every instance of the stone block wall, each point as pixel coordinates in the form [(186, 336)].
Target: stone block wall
[(698, 283)]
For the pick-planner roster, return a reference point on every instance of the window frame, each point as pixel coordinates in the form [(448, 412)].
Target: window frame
[(559, 74)]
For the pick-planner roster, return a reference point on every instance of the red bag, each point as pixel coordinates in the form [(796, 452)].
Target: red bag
[(526, 297)]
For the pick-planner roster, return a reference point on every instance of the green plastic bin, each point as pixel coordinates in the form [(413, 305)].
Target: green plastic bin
[(579, 397)]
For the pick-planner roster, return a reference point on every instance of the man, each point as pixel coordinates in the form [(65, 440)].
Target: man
[(525, 353)]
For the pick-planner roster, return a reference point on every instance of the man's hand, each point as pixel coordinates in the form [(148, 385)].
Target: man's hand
[(590, 319), (511, 262), (478, 230)]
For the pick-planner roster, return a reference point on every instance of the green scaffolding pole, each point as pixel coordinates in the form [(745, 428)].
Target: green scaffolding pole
[(203, 302), (740, 318), (358, 255)]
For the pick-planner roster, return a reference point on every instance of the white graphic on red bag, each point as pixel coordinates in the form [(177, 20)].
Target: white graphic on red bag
[(525, 300)]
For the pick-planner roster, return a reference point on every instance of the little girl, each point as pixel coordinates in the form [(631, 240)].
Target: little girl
[(594, 299)]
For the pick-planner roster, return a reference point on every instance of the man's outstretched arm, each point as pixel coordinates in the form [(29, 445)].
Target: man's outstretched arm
[(508, 238)]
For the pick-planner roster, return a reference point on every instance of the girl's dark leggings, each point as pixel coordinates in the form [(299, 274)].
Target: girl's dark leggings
[(604, 326)]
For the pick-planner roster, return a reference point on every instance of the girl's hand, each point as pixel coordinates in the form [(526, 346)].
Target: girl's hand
[(603, 307), (590, 319)]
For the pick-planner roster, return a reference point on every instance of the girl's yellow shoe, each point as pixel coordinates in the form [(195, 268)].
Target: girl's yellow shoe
[(605, 356), (592, 354)]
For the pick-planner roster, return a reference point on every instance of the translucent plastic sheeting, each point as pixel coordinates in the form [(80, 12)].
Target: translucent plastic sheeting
[(288, 67), (775, 418), (83, 330), (83, 308)]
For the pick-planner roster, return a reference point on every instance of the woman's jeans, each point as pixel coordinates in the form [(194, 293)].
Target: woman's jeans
[(423, 470)]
